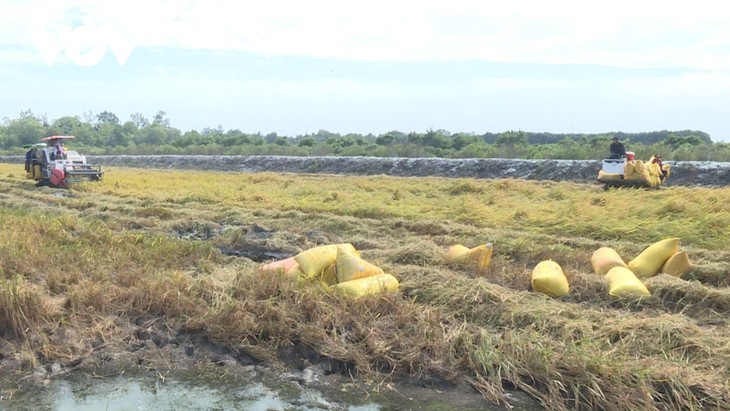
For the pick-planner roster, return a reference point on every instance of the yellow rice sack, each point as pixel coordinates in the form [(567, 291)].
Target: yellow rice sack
[(456, 254), (608, 176), (351, 267), (653, 169), (667, 168), (677, 264), (650, 261), (478, 257), (329, 275), (604, 259), (375, 284), (634, 177), (548, 278), (629, 169), (294, 272), (639, 167), (282, 266), (313, 261), (622, 283)]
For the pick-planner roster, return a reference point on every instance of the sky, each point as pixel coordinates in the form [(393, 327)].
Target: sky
[(297, 67)]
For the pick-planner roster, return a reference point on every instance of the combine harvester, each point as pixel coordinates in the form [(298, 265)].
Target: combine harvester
[(51, 164), (627, 172)]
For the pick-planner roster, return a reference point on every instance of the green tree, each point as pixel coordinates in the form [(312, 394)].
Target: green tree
[(152, 135), (460, 140), (436, 139), (161, 119), (66, 125), (386, 139), (139, 120), (3, 136), (512, 144), (414, 138), (27, 129), (512, 139), (107, 117)]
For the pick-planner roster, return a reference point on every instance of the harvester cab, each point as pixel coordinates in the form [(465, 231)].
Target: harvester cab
[(629, 172), (51, 164)]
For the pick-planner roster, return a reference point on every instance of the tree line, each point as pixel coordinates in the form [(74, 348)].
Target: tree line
[(105, 133)]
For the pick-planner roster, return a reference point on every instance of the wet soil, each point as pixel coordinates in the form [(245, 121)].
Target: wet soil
[(684, 173), (154, 350)]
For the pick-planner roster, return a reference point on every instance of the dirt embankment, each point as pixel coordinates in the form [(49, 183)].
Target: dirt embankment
[(684, 173)]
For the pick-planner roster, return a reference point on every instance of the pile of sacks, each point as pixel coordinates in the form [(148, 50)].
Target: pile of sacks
[(649, 171), (624, 280), (341, 267), (338, 266)]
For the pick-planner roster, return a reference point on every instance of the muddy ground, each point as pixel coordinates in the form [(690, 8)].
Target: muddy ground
[(161, 353), (684, 173)]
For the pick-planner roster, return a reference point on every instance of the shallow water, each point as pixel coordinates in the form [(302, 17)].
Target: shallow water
[(260, 393), (150, 393)]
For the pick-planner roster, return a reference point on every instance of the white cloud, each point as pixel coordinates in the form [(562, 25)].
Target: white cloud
[(691, 36), (619, 33)]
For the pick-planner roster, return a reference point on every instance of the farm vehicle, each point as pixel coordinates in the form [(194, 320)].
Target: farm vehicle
[(51, 164)]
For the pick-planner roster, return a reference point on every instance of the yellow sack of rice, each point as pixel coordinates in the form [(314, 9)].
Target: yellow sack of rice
[(351, 267), (651, 168), (650, 261), (602, 175), (622, 283), (604, 259), (312, 262), (629, 169), (282, 266), (677, 265), (667, 168), (287, 266), (294, 272), (548, 278), (639, 167), (478, 257), (646, 176), (329, 275), (655, 181), (456, 254), (375, 284)]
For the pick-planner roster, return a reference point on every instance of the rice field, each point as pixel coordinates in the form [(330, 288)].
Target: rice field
[(180, 249)]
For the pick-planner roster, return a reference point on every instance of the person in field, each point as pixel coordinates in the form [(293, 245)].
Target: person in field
[(658, 161), (617, 149)]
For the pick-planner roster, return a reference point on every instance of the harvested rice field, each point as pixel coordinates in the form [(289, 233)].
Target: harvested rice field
[(159, 270)]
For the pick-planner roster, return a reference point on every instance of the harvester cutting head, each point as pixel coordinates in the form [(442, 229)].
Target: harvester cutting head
[(56, 166)]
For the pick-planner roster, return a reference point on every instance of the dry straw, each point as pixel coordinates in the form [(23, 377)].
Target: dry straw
[(147, 247)]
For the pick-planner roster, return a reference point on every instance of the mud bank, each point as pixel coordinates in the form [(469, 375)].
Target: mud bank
[(684, 173)]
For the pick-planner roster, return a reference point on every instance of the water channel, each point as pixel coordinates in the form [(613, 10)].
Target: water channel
[(142, 392)]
